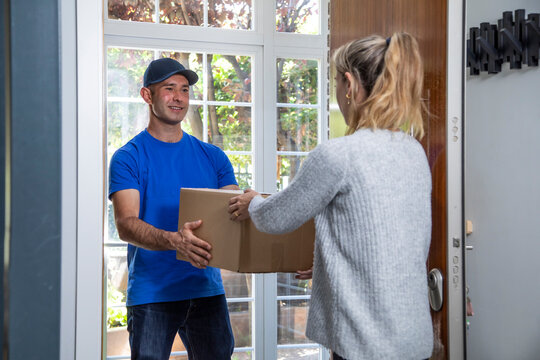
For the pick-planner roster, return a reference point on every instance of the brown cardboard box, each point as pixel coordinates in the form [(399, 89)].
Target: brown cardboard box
[(239, 246)]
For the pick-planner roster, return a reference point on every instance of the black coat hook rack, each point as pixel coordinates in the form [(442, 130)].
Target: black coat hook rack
[(515, 40)]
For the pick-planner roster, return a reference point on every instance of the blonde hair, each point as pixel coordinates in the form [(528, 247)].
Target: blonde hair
[(392, 74)]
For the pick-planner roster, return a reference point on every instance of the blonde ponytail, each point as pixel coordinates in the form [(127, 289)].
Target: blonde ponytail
[(391, 73)]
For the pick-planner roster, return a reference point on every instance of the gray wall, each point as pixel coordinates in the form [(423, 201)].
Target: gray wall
[(5, 53), (33, 264), (502, 198)]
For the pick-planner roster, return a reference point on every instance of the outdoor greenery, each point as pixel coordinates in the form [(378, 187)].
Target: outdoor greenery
[(116, 316)]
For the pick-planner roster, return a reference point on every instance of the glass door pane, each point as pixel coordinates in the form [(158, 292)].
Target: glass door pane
[(298, 16), (131, 10), (298, 114), (220, 113), (225, 14)]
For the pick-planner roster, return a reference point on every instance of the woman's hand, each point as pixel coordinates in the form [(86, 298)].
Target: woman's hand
[(304, 274), (238, 205)]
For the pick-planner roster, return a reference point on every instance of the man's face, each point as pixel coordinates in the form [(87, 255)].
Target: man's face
[(170, 99)]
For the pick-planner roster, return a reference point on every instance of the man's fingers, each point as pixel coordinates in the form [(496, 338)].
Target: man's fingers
[(198, 261), (199, 245), (198, 255), (193, 225)]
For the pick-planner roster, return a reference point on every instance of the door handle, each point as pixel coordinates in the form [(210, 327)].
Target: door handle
[(435, 285)]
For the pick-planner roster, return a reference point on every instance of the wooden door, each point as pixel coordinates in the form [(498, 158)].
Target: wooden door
[(426, 20)]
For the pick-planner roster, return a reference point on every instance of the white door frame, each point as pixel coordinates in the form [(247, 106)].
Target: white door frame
[(90, 169)]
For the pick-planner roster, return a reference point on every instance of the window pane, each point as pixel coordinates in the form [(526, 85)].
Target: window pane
[(178, 357), (237, 285), (287, 285), (297, 16), (229, 78), (297, 81), (247, 355), (112, 233), (287, 167), (243, 170), (132, 10), (244, 355), (118, 341), (292, 317), (124, 121), (230, 14), (229, 127), (184, 12), (241, 314), (298, 353), (192, 61), (193, 122), (297, 129), (116, 270), (125, 70)]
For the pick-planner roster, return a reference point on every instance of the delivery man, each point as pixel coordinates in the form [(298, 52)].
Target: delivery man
[(165, 295)]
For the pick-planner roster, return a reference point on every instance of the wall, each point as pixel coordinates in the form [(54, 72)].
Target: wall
[(32, 279), (4, 34), (502, 197)]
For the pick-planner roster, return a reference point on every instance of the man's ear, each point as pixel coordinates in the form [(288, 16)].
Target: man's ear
[(146, 94)]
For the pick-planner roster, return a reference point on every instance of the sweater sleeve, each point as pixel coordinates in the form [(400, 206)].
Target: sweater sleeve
[(312, 189)]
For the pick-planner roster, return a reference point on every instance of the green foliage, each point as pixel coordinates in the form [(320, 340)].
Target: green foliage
[(116, 316), (297, 81)]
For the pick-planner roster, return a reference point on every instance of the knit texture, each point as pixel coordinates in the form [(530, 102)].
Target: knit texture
[(370, 194)]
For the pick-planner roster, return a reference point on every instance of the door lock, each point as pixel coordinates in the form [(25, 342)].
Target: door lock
[(435, 284)]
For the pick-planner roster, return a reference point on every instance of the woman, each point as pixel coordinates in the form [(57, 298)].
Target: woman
[(370, 194)]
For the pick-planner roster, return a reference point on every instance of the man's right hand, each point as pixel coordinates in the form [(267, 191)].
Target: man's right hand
[(196, 250)]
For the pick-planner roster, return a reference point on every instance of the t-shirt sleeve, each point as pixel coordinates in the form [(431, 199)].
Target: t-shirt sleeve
[(123, 173), (312, 189), (225, 170)]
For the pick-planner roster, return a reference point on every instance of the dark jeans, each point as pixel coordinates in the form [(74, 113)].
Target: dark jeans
[(203, 325)]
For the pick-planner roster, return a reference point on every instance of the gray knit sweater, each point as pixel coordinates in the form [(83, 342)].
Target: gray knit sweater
[(370, 194)]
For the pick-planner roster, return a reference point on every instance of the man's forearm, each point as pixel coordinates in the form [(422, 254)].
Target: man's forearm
[(139, 233)]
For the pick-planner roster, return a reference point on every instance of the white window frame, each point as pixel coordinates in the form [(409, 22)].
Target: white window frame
[(94, 35)]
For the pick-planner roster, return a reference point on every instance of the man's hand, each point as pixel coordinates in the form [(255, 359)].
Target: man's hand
[(238, 205), (197, 251), (304, 274)]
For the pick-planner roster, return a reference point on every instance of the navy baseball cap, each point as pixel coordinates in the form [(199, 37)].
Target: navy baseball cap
[(164, 68)]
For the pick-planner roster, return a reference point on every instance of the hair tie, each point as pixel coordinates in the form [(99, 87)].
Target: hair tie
[(388, 41)]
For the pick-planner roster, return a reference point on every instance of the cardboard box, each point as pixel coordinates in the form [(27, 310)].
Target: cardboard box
[(239, 246)]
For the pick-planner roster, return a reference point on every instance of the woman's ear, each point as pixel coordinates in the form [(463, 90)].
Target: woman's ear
[(350, 82), (355, 87)]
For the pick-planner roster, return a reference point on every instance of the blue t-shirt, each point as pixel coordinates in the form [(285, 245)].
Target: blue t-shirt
[(158, 170)]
